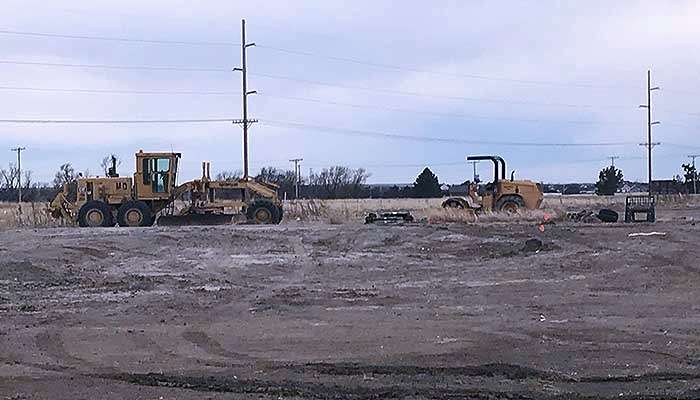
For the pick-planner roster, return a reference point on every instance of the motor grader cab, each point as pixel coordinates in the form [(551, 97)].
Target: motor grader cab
[(501, 194), (153, 193), (155, 176)]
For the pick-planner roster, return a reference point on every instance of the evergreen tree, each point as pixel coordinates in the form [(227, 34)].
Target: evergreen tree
[(427, 185), (609, 181)]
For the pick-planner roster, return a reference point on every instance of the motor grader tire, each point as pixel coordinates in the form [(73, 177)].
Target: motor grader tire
[(95, 213), (263, 212), (135, 213), (510, 204), (280, 212)]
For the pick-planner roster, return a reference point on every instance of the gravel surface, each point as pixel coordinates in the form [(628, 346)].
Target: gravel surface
[(351, 311)]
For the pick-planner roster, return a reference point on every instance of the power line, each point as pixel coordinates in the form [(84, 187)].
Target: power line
[(419, 94), (116, 67), (455, 75), (118, 91), (117, 39), (442, 114), (308, 54), (355, 132), (287, 78), (323, 56), (122, 121)]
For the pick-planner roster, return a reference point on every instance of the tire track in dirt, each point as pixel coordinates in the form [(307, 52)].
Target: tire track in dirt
[(211, 346), (298, 270), (321, 390), (50, 342)]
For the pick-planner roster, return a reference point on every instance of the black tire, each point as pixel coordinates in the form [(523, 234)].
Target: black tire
[(280, 211), (95, 213), (452, 203), (263, 212), (608, 215), (135, 213), (510, 204)]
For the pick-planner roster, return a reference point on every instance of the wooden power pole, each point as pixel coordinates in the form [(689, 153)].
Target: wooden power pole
[(245, 122), (649, 144), (19, 151)]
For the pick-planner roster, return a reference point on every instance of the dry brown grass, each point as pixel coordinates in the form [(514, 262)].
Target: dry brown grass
[(33, 215), (430, 210), (354, 210)]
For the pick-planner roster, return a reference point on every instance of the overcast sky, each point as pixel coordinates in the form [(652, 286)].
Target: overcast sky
[(471, 71)]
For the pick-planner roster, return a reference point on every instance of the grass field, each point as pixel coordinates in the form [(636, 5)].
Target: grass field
[(349, 210)]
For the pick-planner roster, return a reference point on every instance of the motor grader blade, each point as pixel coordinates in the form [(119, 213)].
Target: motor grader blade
[(195, 219)]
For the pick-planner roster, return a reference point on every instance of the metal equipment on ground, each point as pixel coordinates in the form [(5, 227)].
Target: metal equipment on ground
[(640, 209), (153, 195), (509, 196), (390, 216)]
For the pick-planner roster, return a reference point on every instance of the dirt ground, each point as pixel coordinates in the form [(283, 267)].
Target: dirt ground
[(352, 311)]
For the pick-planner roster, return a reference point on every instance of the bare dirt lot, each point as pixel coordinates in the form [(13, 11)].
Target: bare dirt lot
[(353, 311)]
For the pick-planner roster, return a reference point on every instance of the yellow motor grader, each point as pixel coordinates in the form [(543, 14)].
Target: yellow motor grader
[(152, 195), (504, 195)]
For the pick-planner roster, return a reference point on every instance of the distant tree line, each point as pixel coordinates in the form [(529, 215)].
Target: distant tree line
[(341, 182), (35, 191), (336, 182)]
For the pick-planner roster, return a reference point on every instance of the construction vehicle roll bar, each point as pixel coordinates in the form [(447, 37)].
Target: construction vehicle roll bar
[(496, 160)]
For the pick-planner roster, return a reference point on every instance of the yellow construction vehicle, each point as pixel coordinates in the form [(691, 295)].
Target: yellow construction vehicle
[(509, 196), (153, 193)]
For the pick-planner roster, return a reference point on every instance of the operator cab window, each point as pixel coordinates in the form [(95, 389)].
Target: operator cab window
[(155, 173)]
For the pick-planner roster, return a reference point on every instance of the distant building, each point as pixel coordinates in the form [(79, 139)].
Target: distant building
[(634, 187)]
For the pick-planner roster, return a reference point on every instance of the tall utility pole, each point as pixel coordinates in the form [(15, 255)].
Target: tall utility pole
[(612, 160), (649, 144), (297, 175), (695, 173), (19, 150), (246, 121)]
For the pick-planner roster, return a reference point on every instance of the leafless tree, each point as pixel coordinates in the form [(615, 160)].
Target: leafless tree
[(27, 179), (339, 181), (229, 175), (65, 174), (9, 177)]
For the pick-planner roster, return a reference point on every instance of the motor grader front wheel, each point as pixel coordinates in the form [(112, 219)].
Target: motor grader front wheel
[(95, 213), (510, 204), (263, 212), (134, 213)]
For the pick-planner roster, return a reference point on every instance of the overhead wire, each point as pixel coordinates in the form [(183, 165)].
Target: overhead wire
[(357, 132), (117, 39), (307, 81), (115, 67), (441, 114), (116, 121), (121, 91), (307, 54)]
